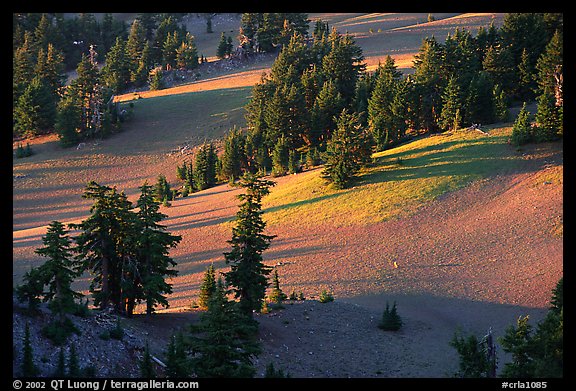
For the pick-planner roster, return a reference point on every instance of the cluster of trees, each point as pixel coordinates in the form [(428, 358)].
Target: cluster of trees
[(46, 46), (264, 32), (126, 252), (295, 109), (535, 352), (201, 175)]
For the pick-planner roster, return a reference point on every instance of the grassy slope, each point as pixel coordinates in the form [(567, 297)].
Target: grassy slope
[(402, 179)]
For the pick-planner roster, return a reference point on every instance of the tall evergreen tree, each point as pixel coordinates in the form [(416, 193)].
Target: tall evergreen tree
[(103, 242), (29, 368), (205, 167), (452, 103), (153, 243), (177, 364), (207, 288), (59, 270), (248, 274), (116, 70), (348, 150), (35, 111), (187, 53), (223, 343), (234, 156)]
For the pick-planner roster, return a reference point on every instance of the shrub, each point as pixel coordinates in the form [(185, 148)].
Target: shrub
[(391, 321), (325, 296), (59, 331), (117, 332)]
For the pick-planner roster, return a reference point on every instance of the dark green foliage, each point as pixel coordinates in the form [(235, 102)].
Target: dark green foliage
[(146, 364), (58, 331), (537, 352), (155, 80), (61, 366), (325, 296), (347, 151), (187, 53), (474, 362), (205, 167), (162, 189), (451, 104), (280, 157), (557, 300), (224, 46), (548, 119), (153, 244), (116, 70), (522, 132), (207, 288), (248, 275), (276, 296), (59, 270), (35, 110), (74, 369), (273, 373), (32, 289), (29, 369), (177, 365), (223, 343), (234, 156), (117, 332), (22, 152), (390, 321)]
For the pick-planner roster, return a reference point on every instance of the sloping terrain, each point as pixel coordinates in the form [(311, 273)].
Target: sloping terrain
[(482, 245)]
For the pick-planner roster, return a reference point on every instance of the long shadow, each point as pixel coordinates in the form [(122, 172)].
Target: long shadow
[(463, 159), (303, 202)]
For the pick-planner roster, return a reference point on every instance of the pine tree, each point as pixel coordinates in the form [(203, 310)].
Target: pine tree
[(248, 275), (116, 70), (223, 343), (106, 242), (280, 157), (205, 167), (276, 296), (32, 289), (234, 156), (146, 366), (390, 321), (135, 48), (207, 288), (73, 364), (222, 50), (474, 362), (187, 53), (452, 102), (177, 364), (548, 118), (153, 244), (68, 120), (59, 271), (35, 110), (29, 369), (522, 132), (347, 151)]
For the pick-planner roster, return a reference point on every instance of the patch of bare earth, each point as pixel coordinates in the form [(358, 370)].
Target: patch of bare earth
[(473, 260)]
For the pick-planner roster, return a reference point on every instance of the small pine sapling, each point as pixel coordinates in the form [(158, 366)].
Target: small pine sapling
[(391, 321)]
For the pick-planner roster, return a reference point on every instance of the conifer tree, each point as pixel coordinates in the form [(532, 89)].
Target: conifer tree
[(522, 132), (29, 369), (234, 156), (280, 157), (59, 271), (177, 364), (146, 366), (32, 289), (248, 274), (61, 366), (222, 51), (187, 53), (452, 102), (207, 288), (105, 242), (73, 364), (348, 150), (35, 110), (153, 244), (205, 167), (116, 70), (223, 343), (277, 295)]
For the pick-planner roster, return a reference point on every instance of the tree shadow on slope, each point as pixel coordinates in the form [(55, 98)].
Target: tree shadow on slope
[(467, 159)]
